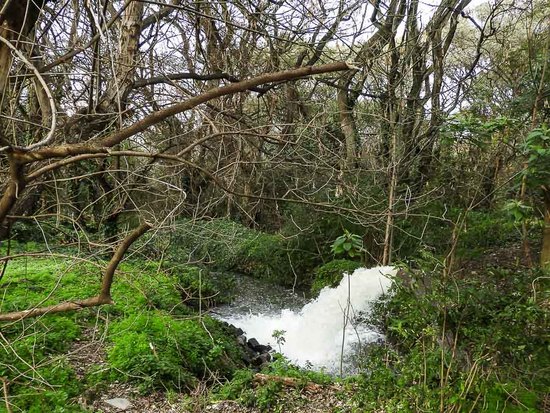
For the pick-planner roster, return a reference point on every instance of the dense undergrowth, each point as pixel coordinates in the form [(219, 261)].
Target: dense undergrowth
[(153, 339), (473, 340), (224, 245), (478, 342)]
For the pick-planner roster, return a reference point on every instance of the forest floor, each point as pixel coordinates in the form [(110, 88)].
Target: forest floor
[(321, 401), (90, 352), (495, 290)]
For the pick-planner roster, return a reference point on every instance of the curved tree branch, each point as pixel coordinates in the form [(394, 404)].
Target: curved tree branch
[(104, 297)]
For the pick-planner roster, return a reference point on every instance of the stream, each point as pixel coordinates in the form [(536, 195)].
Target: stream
[(321, 333)]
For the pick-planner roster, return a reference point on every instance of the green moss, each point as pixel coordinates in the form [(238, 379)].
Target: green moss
[(150, 343), (156, 350)]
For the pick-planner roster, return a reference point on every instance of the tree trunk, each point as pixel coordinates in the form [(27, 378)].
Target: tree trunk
[(347, 123)]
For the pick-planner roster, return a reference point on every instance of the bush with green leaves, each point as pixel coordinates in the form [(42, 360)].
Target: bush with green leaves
[(481, 231), (478, 343), (331, 273), (348, 245), (266, 397), (225, 245)]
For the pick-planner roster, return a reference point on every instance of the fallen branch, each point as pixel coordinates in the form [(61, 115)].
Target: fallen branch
[(261, 379), (104, 296)]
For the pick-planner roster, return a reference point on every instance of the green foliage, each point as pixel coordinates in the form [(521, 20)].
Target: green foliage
[(33, 351), (56, 397), (537, 151), (482, 230), (228, 246), (238, 388), (266, 397), (283, 368), (147, 344), (279, 336), (518, 210), (478, 344), (199, 289), (156, 350), (313, 232), (469, 128), (347, 244), (331, 273)]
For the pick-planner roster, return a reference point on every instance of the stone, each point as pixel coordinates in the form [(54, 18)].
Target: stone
[(119, 403), (253, 343), (263, 349), (241, 340), (257, 347), (261, 359)]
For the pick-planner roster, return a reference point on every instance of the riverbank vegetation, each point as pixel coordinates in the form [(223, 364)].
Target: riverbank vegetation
[(153, 152)]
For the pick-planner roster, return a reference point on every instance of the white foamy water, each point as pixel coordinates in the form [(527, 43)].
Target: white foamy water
[(314, 335)]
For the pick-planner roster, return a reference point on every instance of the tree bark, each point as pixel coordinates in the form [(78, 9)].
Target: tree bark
[(12, 191), (347, 123)]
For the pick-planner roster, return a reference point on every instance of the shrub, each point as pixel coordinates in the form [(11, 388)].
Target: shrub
[(267, 397), (331, 273), (478, 343), (482, 230), (228, 246)]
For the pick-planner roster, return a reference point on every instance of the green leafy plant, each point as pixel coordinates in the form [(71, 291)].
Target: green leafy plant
[(537, 149), (156, 350), (197, 288), (519, 211), (347, 244), (267, 396), (478, 343), (279, 336)]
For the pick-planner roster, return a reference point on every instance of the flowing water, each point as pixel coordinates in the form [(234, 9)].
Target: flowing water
[(316, 333)]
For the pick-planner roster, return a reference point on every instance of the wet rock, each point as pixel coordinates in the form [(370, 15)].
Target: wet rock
[(263, 349), (261, 359), (253, 343), (254, 354), (241, 340), (257, 347)]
